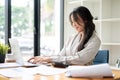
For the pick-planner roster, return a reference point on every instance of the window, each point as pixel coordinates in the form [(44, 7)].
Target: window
[(50, 27), (2, 20), (22, 24)]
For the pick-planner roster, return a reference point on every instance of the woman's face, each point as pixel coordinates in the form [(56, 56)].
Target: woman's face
[(79, 25)]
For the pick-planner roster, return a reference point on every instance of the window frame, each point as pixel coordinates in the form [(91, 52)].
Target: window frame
[(36, 24)]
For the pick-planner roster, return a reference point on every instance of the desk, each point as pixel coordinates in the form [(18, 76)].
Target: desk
[(61, 77)]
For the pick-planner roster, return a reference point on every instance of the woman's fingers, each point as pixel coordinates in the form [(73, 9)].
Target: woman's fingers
[(38, 59), (31, 59)]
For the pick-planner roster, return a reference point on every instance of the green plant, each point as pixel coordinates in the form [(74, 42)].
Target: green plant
[(4, 48)]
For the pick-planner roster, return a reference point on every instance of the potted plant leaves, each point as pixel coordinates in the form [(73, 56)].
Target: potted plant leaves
[(3, 50)]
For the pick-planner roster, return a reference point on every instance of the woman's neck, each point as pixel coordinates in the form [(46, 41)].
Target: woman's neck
[(81, 35)]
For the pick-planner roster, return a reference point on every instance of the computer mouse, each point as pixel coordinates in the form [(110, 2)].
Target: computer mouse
[(60, 64)]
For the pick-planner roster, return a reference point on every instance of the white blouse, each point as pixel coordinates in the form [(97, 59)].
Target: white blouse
[(70, 54)]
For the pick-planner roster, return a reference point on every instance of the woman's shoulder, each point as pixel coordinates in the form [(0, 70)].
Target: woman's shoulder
[(94, 40), (95, 37)]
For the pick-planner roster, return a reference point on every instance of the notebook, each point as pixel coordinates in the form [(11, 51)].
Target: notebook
[(17, 55)]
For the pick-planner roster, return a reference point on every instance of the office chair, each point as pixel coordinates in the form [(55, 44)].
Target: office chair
[(101, 57)]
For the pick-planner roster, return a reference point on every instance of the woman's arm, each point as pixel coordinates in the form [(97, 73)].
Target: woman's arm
[(84, 56)]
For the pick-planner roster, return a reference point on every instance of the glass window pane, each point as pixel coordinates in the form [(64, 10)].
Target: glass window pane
[(2, 21), (50, 27), (22, 25)]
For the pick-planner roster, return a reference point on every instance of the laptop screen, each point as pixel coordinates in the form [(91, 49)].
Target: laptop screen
[(15, 49)]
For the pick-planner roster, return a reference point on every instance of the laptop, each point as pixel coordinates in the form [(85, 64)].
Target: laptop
[(17, 55)]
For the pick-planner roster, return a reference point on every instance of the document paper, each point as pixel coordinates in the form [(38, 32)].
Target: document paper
[(93, 71), (21, 71)]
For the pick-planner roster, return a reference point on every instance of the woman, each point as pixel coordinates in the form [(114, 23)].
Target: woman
[(82, 47)]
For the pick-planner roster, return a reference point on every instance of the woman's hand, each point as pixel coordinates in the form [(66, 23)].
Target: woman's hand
[(39, 59)]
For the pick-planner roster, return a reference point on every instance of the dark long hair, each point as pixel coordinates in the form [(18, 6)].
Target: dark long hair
[(89, 27)]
